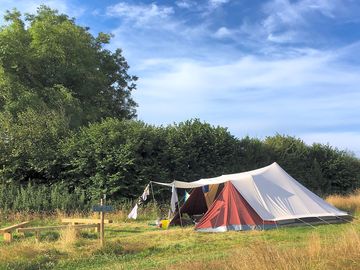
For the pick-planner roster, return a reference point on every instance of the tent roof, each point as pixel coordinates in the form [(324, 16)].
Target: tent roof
[(272, 193), (216, 180)]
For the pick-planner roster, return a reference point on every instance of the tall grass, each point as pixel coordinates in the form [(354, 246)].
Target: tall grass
[(19, 202), (41, 198), (349, 203), (316, 253)]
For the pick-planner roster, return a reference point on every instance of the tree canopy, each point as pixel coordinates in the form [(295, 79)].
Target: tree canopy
[(55, 77), (47, 60)]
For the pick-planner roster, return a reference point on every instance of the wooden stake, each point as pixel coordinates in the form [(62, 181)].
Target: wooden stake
[(102, 218), (97, 228), (7, 237), (37, 237)]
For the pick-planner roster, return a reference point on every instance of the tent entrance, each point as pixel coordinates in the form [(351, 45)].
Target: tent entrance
[(198, 203)]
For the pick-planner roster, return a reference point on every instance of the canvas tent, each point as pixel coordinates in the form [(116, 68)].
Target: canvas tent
[(264, 198)]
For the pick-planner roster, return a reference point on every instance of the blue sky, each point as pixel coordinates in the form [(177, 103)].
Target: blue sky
[(256, 67)]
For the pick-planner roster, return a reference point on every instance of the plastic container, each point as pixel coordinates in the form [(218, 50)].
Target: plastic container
[(164, 224)]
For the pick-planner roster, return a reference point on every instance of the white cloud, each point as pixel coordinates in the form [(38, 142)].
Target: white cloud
[(283, 37), (217, 3), (141, 14), (286, 13), (223, 32), (187, 4), (284, 17)]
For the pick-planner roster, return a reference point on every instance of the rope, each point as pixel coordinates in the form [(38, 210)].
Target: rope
[(345, 219), (323, 220), (307, 223)]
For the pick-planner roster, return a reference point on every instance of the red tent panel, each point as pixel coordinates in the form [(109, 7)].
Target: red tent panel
[(230, 211)]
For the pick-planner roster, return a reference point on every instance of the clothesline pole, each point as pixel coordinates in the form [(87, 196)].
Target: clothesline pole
[(153, 196), (181, 224), (152, 191), (179, 206)]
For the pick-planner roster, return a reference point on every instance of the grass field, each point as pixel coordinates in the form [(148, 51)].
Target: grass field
[(137, 245)]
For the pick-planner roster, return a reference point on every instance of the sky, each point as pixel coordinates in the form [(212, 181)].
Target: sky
[(256, 67)]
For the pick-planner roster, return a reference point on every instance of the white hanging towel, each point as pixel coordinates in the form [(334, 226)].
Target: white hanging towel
[(146, 193), (133, 213), (174, 198)]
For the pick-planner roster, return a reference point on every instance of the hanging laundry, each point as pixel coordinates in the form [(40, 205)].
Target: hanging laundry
[(146, 193), (174, 199), (133, 213)]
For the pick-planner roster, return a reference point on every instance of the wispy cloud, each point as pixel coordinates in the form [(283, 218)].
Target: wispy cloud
[(217, 3), (283, 13), (142, 15), (187, 4), (288, 21)]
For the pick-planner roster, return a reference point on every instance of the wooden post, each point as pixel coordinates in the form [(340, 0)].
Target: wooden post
[(97, 228), (102, 217), (8, 237), (37, 237)]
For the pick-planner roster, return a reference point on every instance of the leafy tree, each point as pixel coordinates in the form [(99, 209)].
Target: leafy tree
[(54, 76), (291, 153), (198, 150), (254, 154), (54, 51), (113, 157), (28, 145)]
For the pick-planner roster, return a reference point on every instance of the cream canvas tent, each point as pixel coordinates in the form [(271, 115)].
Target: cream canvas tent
[(263, 198)]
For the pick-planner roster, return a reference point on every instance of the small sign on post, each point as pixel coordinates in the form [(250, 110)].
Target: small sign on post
[(102, 209)]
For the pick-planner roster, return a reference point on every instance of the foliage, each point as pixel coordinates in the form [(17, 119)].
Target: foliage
[(118, 158), (29, 145), (54, 77), (54, 51), (198, 150)]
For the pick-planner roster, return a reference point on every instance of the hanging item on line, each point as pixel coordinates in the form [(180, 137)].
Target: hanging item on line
[(141, 199), (146, 193), (174, 199), (133, 213)]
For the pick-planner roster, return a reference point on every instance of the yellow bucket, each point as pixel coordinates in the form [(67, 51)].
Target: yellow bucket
[(164, 223)]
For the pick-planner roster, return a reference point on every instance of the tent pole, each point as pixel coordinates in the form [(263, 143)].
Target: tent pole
[(276, 225), (152, 192), (181, 224)]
